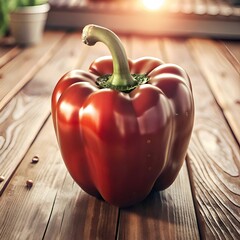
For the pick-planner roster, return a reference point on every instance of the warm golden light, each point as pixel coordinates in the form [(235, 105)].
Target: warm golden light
[(152, 4)]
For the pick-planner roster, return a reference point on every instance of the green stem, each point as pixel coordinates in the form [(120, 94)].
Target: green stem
[(121, 78)]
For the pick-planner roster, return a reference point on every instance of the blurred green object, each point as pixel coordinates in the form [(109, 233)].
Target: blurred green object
[(24, 3), (3, 17), (6, 6)]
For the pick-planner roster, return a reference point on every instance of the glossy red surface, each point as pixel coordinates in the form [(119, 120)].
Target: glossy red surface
[(121, 146)]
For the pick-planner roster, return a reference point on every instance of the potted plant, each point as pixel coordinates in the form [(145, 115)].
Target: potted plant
[(27, 20), (5, 8)]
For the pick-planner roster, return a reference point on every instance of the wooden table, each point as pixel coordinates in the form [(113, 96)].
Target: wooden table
[(204, 201)]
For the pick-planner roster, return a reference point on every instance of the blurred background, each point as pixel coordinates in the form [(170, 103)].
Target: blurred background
[(211, 18)]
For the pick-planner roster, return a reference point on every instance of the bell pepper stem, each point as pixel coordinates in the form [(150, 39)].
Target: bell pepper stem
[(121, 77)]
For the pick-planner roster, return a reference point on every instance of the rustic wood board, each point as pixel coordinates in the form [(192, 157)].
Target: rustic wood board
[(55, 207), (25, 212), (234, 48), (214, 157), (77, 215), (31, 107), (154, 217), (25, 65), (222, 77), (232, 52), (145, 46), (7, 54)]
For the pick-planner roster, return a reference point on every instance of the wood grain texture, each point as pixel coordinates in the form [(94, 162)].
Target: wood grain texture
[(21, 69), (232, 52), (214, 157), (31, 107), (77, 215), (222, 77), (163, 215), (55, 207), (234, 48), (24, 212), (138, 47), (7, 54)]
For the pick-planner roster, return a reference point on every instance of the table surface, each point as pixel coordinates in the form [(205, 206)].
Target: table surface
[(203, 202)]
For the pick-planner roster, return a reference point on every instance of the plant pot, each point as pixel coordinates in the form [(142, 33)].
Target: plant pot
[(27, 23)]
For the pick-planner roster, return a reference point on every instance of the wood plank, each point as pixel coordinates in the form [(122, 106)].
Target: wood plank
[(234, 48), (233, 53), (222, 77), (5, 46), (7, 54), (31, 107), (144, 46), (214, 158), (23, 67), (24, 212), (55, 207), (77, 215), (163, 215), (166, 215)]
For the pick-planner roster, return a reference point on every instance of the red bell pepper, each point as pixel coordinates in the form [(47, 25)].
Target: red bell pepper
[(123, 127)]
